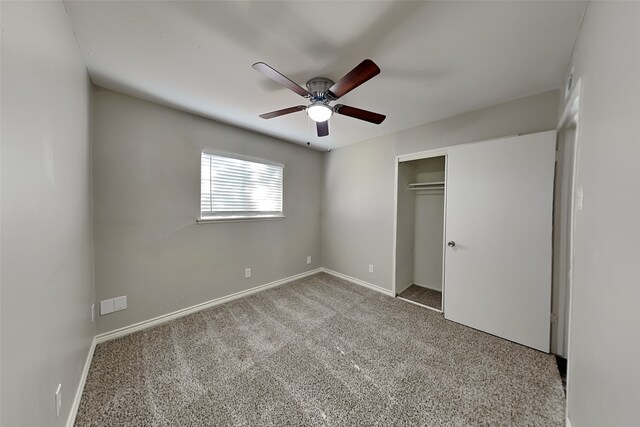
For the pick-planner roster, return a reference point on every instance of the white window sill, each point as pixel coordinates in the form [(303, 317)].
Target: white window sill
[(212, 220)]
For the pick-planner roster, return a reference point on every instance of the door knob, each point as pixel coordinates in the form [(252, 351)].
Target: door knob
[(451, 243)]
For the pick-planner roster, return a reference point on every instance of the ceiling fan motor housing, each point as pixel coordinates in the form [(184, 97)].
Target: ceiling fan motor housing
[(319, 88)]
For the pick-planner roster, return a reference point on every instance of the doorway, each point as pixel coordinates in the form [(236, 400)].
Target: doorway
[(420, 231)]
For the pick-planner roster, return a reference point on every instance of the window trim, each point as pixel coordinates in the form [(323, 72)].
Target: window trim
[(235, 217), (213, 220)]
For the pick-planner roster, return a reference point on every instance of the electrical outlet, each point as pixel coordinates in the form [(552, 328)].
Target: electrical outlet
[(58, 397), (93, 312), (309, 260), (247, 273), (120, 303), (106, 307), (370, 268)]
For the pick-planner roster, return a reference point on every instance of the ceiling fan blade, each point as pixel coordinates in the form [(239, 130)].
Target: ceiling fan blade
[(283, 80), (354, 78), (282, 112), (357, 113), (323, 128)]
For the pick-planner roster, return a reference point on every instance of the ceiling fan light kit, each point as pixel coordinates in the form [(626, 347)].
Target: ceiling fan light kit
[(319, 111), (321, 91)]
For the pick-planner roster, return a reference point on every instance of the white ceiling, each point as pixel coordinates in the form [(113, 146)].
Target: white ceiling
[(438, 59)]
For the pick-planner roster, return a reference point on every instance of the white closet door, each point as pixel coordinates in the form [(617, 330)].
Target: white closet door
[(499, 214)]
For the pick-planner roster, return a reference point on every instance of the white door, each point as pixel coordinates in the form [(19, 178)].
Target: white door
[(499, 215)]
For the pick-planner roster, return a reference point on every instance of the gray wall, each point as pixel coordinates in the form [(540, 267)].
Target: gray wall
[(147, 198), (357, 220), (429, 225), (428, 248), (604, 348), (405, 233), (46, 261)]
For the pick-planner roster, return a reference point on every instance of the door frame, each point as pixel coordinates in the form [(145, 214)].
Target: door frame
[(569, 119), (438, 152)]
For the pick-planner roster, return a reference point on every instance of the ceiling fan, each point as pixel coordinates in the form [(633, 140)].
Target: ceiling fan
[(321, 91)]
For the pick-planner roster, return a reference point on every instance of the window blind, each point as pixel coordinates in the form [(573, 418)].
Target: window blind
[(233, 187)]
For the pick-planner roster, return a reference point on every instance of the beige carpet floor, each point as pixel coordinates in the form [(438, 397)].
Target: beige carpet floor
[(423, 296), (319, 351)]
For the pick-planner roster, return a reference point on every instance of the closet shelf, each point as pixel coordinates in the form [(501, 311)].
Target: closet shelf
[(426, 185)]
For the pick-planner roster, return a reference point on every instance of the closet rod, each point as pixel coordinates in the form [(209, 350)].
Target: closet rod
[(426, 184)]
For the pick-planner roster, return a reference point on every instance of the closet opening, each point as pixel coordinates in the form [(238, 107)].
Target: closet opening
[(420, 216)]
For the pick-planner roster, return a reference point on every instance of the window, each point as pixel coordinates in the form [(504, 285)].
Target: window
[(234, 188)]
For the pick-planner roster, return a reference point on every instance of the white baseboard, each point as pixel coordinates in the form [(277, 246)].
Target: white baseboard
[(568, 423), (359, 282), (126, 330), (433, 288), (83, 379), (421, 305)]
